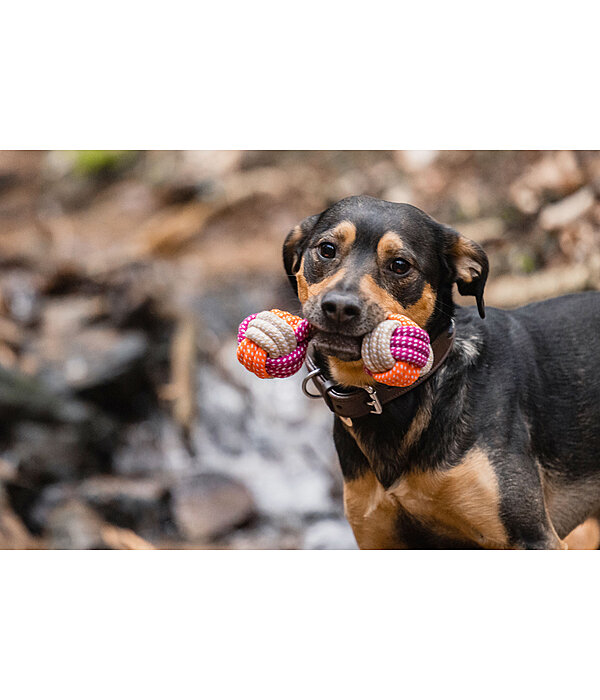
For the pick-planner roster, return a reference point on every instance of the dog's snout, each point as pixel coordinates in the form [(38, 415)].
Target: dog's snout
[(340, 307)]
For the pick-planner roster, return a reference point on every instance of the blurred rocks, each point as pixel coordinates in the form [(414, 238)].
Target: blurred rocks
[(126, 422), (484, 230), (91, 358), (142, 505), (329, 534), (513, 290), (73, 525), (567, 210), (209, 505), (555, 174)]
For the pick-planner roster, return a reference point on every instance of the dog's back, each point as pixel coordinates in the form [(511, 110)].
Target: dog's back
[(549, 385)]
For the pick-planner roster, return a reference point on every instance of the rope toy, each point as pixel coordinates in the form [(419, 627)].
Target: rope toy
[(397, 351), (274, 344)]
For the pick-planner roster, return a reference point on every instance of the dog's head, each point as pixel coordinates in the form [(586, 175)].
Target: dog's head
[(364, 258)]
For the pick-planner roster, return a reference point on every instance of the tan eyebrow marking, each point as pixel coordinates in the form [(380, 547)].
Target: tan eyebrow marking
[(389, 244), (345, 233)]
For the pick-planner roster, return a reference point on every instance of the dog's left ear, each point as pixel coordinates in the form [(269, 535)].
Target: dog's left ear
[(470, 265), (295, 245)]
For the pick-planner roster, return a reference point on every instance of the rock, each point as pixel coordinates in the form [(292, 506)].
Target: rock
[(141, 505), (21, 295), (73, 525), (24, 396), (270, 436), (509, 291), (70, 313), (141, 451), (92, 358), (482, 230), (46, 453), (265, 535), (209, 505), (329, 534), (556, 173), (559, 214)]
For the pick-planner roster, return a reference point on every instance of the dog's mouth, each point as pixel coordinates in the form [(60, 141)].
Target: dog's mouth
[(344, 347)]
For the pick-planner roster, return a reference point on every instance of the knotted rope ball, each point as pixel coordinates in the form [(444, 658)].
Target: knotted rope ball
[(274, 344), (397, 351)]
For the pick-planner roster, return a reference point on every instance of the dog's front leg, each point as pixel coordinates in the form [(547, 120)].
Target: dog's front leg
[(371, 512)]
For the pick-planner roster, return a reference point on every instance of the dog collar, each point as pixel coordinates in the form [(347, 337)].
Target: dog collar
[(359, 402)]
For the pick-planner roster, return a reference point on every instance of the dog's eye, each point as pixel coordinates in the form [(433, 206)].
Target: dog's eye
[(327, 250), (400, 266)]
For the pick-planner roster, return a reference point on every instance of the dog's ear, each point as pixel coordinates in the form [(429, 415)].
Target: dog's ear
[(294, 247), (469, 265)]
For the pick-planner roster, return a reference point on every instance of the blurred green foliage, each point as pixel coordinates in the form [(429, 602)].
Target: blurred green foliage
[(91, 163), (527, 263)]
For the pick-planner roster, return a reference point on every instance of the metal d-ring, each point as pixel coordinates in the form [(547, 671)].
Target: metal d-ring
[(305, 381)]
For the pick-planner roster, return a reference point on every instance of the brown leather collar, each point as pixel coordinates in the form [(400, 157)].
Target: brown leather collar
[(355, 403)]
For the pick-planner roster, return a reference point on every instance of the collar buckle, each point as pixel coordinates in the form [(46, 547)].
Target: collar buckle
[(313, 373), (375, 403)]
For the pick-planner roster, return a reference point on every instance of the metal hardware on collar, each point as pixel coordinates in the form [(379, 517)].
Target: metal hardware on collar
[(350, 404), (305, 381), (374, 402)]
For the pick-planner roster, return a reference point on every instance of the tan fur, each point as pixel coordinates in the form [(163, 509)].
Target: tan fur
[(377, 295), (466, 265), (302, 284), (418, 424), (461, 502), (345, 234), (319, 287), (584, 536), (352, 373), (349, 373), (292, 241), (295, 235), (390, 244), (372, 513), (419, 312)]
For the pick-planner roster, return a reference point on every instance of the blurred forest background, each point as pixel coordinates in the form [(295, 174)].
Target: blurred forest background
[(126, 422)]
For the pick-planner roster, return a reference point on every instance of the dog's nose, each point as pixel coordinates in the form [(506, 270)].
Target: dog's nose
[(340, 307)]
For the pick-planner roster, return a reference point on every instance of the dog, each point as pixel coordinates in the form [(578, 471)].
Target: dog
[(500, 447)]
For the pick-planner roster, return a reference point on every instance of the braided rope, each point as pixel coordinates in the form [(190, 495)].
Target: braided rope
[(274, 343), (397, 352)]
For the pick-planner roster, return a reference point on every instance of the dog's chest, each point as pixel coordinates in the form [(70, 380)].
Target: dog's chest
[(460, 503)]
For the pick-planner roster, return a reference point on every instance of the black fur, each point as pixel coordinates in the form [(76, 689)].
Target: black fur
[(523, 385)]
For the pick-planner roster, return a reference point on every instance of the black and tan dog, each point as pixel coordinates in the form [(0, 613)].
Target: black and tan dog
[(500, 447)]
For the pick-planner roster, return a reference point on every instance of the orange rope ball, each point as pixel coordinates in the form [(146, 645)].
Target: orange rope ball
[(274, 343)]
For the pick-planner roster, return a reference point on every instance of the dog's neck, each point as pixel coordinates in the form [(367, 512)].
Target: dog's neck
[(393, 441)]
